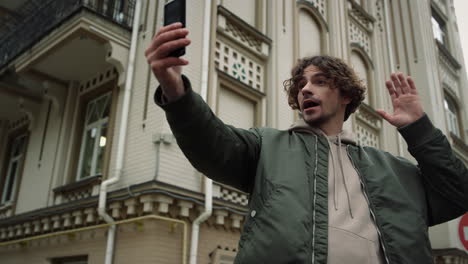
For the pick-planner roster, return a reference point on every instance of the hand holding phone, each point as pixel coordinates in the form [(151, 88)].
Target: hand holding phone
[(174, 11)]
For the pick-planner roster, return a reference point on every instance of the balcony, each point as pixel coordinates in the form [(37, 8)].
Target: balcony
[(27, 24)]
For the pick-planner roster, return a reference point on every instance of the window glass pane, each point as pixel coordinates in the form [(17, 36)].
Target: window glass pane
[(451, 115), (101, 148), (95, 136), (438, 29), (106, 111), (11, 178), (87, 157)]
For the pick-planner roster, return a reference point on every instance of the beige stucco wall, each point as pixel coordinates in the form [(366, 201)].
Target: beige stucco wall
[(148, 241), (412, 52)]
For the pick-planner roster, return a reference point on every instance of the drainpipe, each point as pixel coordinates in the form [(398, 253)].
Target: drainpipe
[(392, 63), (122, 135), (204, 93)]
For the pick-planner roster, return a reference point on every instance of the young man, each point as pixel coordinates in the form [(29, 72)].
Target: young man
[(315, 195)]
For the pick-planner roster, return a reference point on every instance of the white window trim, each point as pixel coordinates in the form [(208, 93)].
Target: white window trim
[(98, 125), (452, 118), (9, 177)]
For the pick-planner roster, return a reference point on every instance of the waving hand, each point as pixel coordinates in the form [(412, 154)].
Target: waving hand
[(406, 103)]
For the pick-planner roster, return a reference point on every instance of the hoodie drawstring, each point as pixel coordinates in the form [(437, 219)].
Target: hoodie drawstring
[(335, 194), (344, 178)]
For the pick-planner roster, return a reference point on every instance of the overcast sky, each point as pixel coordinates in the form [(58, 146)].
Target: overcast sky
[(461, 7)]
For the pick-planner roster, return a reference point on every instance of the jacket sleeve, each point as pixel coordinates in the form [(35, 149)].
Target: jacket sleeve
[(445, 177), (223, 153)]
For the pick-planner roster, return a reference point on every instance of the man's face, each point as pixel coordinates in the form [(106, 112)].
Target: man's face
[(319, 102)]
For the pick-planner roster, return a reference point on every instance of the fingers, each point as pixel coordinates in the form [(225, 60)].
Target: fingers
[(167, 40), (400, 84), (168, 28), (166, 48), (403, 83), (390, 89), (396, 84), (167, 63), (166, 37), (412, 85)]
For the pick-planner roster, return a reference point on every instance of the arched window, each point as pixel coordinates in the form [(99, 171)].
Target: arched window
[(362, 69), (309, 35)]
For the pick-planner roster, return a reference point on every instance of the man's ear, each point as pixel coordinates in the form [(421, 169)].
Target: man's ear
[(346, 100)]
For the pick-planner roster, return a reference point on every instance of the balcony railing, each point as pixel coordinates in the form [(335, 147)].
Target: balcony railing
[(50, 14)]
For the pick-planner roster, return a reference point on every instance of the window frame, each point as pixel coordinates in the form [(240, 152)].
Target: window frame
[(441, 21), (452, 117), (12, 136), (99, 125), (226, 81), (80, 119)]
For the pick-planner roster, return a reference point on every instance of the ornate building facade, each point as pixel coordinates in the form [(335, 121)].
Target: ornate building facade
[(77, 111)]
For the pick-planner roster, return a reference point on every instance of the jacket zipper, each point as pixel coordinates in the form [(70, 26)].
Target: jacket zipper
[(363, 185), (314, 199)]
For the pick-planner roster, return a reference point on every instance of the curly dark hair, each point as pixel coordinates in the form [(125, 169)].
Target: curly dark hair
[(341, 76)]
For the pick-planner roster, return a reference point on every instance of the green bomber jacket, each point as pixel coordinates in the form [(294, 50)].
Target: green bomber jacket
[(285, 173)]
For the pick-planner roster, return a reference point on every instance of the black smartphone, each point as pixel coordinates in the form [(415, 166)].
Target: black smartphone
[(174, 11)]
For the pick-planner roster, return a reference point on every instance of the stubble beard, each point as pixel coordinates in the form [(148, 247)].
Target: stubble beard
[(323, 118)]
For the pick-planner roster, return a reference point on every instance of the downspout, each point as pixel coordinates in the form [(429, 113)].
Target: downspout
[(204, 94), (392, 63), (122, 136)]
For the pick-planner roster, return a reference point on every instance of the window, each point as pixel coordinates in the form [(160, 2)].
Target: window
[(238, 104), (118, 13), (439, 30), (13, 168), (451, 113), (94, 139), (361, 68), (309, 36)]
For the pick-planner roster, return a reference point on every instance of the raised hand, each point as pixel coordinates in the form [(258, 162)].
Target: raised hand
[(168, 69), (407, 106)]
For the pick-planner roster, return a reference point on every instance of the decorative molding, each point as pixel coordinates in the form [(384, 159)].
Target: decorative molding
[(223, 255), (239, 31), (231, 194), (229, 211), (238, 65), (447, 57), (319, 5), (55, 93), (359, 36), (77, 190), (20, 122), (368, 126), (449, 77), (360, 15), (30, 109), (379, 8), (97, 80)]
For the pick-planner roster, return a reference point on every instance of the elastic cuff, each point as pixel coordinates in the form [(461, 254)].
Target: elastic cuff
[(161, 100), (418, 132)]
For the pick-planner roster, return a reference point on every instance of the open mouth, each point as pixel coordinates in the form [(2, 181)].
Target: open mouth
[(309, 104)]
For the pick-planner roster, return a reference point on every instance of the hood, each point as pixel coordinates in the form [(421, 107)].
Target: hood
[(345, 136)]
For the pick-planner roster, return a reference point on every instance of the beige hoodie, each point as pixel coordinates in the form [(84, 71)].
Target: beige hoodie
[(352, 234)]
